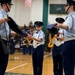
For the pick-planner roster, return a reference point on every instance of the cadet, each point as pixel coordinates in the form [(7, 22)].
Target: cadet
[(4, 33), (58, 50), (69, 38), (38, 48)]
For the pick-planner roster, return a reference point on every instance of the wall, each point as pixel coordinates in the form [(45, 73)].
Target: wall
[(23, 15), (37, 10), (51, 17), (19, 12)]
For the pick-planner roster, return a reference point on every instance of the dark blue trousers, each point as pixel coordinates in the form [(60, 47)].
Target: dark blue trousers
[(69, 57), (37, 60), (57, 60), (3, 60)]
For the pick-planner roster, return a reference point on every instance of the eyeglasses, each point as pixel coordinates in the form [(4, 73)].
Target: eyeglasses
[(66, 5)]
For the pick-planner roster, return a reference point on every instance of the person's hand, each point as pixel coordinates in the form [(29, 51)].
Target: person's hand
[(30, 36), (57, 25), (5, 19)]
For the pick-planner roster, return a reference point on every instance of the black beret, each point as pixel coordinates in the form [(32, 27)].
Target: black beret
[(59, 20), (70, 2), (38, 23), (6, 1), (51, 29)]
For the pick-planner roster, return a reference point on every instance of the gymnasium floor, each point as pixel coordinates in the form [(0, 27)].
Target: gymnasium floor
[(20, 64)]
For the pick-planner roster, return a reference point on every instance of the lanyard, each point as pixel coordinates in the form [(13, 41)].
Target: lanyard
[(72, 23)]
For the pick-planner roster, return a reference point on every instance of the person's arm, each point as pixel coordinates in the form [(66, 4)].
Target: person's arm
[(37, 39), (40, 39), (3, 20), (63, 26), (12, 24), (66, 25)]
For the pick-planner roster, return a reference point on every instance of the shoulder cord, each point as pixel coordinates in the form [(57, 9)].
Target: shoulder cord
[(5, 30), (39, 34), (72, 23)]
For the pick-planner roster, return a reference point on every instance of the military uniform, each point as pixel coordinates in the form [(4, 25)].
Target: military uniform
[(4, 29), (38, 51), (57, 55), (57, 48), (69, 45), (69, 38), (4, 35)]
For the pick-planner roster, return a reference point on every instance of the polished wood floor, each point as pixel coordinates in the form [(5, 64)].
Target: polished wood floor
[(22, 64)]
